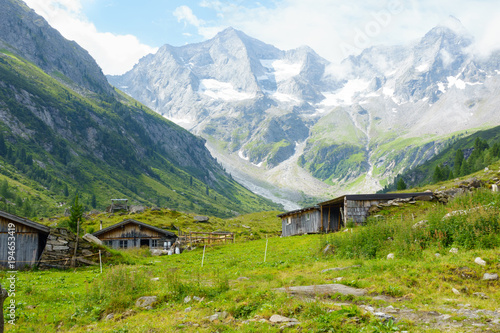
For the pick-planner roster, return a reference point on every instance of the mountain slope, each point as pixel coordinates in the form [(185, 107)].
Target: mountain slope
[(352, 126), (60, 141), (27, 34)]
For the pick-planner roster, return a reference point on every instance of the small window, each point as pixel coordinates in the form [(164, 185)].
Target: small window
[(123, 244), (289, 220), (154, 243), (308, 216)]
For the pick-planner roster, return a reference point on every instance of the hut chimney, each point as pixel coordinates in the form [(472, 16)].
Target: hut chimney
[(101, 225)]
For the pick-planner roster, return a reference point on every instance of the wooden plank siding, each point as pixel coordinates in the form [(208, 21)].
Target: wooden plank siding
[(302, 222), (131, 233), (29, 244)]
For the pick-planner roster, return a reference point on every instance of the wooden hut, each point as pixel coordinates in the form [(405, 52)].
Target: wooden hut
[(131, 233), (25, 237), (330, 216), (301, 221)]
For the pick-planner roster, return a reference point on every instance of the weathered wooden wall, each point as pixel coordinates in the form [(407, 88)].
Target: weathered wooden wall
[(357, 211), (301, 223), (28, 241)]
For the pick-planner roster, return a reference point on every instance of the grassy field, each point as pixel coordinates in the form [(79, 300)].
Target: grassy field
[(420, 290)]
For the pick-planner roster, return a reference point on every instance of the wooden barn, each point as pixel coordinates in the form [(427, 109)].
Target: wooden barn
[(131, 233), (29, 241), (330, 216)]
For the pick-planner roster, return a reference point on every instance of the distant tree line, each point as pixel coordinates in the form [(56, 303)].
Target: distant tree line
[(465, 162)]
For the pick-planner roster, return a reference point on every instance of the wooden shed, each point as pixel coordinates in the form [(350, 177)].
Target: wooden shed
[(131, 233), (330, 216), (301, 221), (29, 239)]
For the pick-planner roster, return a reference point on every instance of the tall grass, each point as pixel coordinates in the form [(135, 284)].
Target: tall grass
[(120, 287), (473, 224)]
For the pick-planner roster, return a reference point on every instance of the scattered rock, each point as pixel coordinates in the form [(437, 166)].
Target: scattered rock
[(245, 226), (323, 289), (480, 261), (196, 298), (155, 279), (187, 309), (187, 299), (201, 219), (217, 316), (455, 291), (135, 209), (481, 295), (241, 278), (146, 302), (490, 277), (437, 255), (454, 250), (383, 316), (420, 224), (110, 316), (390, 256), (339, 268), (328, 248), (280, 319)]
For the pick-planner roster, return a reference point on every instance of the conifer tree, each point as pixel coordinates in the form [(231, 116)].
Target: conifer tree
[(401, 185), (3, 146), (76, 214)]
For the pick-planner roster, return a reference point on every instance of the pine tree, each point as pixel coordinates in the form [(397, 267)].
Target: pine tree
[(4, 189), (76, 214), (438, 174), (459, 159), (93, 201), (401, 185), (3, 147)]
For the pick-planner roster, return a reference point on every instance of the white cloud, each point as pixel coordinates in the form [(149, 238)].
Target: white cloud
[(490, 39), (114, 53), (184, 13), (335, 29)]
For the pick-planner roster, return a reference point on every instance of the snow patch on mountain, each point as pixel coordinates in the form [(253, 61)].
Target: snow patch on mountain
[(422, 68), (222, 90), (346, 94), (453, 81), (282, 69), (242, 155), (287, 98)]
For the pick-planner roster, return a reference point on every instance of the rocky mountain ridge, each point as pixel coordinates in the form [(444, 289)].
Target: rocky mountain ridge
[(81, 136), (353, 126)]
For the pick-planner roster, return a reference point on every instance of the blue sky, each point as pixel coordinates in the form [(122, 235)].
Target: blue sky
[(117, 33)]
